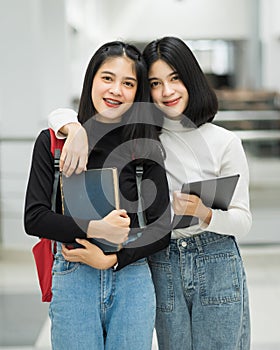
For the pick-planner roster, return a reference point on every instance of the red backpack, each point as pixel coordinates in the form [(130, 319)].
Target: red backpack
[(43, 251)]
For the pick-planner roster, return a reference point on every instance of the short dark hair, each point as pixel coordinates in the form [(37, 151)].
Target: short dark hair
[(203, 103), (106, 51)]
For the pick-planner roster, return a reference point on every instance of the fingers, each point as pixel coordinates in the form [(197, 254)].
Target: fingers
[(181, 196), (62, 159), (82, 164), (71, 162), (70, 165), (181, 203), (83, 242), (123, 213), (187, 204), (177, 195), (125, 222), (77, 254), (118, 217), (70, 254)]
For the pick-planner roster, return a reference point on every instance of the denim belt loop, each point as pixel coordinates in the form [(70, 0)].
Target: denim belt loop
[(167, 251), (198, 244)]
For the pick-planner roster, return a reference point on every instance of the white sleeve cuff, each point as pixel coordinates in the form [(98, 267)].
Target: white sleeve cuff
[(60, 117)]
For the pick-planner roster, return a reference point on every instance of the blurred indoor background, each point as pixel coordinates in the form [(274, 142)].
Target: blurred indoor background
[(45, 46)]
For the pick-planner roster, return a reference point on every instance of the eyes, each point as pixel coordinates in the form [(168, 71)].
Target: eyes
[(154, 82), (129, 83)]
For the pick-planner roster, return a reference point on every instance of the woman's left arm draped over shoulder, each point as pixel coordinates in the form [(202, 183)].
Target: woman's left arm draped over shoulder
[(74, 155), (156, 234), (237, 220)]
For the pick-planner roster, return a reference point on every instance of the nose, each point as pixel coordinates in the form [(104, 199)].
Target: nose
[(115, 89), (167, 90)]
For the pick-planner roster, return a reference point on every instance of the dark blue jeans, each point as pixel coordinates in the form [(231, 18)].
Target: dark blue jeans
[(202, 296)]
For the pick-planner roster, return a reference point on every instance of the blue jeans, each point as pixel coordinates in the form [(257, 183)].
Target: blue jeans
[(202, 296), (95, 310)]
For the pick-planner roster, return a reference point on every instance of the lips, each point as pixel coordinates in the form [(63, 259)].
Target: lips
[(112, 103), (171, 103)]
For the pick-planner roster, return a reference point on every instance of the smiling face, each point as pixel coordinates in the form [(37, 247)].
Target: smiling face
[(167, 90), (114, 88)]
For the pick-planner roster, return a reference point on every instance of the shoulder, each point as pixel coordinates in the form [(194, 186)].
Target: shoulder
[(44, 136), (218, 133), (43, 142)]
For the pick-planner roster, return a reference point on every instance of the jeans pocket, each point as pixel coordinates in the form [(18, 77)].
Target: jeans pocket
[(219, 278), (162, 278), (63, 267)]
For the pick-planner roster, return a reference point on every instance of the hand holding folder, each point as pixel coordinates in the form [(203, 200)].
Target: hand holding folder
[(215, 193), (91, 195)]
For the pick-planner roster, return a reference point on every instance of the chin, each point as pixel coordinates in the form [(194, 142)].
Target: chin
[(173, 114)]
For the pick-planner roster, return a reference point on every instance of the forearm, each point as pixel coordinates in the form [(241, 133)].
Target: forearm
[(74, 155), (235, 222), (70, 128), (155, 237), (130, 254)]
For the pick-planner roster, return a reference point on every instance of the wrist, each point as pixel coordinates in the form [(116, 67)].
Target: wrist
[(208, 216), (97, 229), (109, 261), (113, 261), (92, 228), (70, 128)]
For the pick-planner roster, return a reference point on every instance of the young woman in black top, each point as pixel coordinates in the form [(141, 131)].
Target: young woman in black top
[(95, 306)]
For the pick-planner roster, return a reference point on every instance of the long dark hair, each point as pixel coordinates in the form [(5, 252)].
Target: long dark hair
[(203, 103), (134, 118)]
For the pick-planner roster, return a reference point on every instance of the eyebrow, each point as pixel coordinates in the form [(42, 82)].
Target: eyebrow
[(169, 75), (126, 78)]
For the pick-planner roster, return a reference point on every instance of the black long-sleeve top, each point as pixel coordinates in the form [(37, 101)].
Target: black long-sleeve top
[(41, 221)]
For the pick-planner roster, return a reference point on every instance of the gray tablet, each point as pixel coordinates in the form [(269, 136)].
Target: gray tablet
[(215, 193)]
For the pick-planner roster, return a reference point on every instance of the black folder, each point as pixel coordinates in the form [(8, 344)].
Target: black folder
[(91, 195), (215, 193)]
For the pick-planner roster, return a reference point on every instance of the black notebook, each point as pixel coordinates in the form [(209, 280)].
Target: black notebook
[(215, 193), (91, 195)]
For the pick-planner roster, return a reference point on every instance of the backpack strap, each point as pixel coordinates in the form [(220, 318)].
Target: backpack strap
[(56, 147), (140, 213)]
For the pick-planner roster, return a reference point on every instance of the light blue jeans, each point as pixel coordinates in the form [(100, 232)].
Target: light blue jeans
[(202, 296), (95, 310)]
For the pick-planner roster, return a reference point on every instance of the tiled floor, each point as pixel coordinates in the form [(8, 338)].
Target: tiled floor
[(24, 323)]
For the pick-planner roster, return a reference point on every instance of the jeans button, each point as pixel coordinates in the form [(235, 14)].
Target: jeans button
[(184, 244)]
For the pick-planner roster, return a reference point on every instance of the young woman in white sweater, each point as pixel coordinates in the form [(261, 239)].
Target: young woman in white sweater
[(200, 282)]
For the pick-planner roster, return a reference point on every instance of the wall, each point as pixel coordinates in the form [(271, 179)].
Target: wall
[(146, 20), (34, 70), (270, 36), (41, 69)]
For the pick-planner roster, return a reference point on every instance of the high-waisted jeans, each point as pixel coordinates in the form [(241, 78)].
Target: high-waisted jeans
[(95, 310), (201, 293)]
